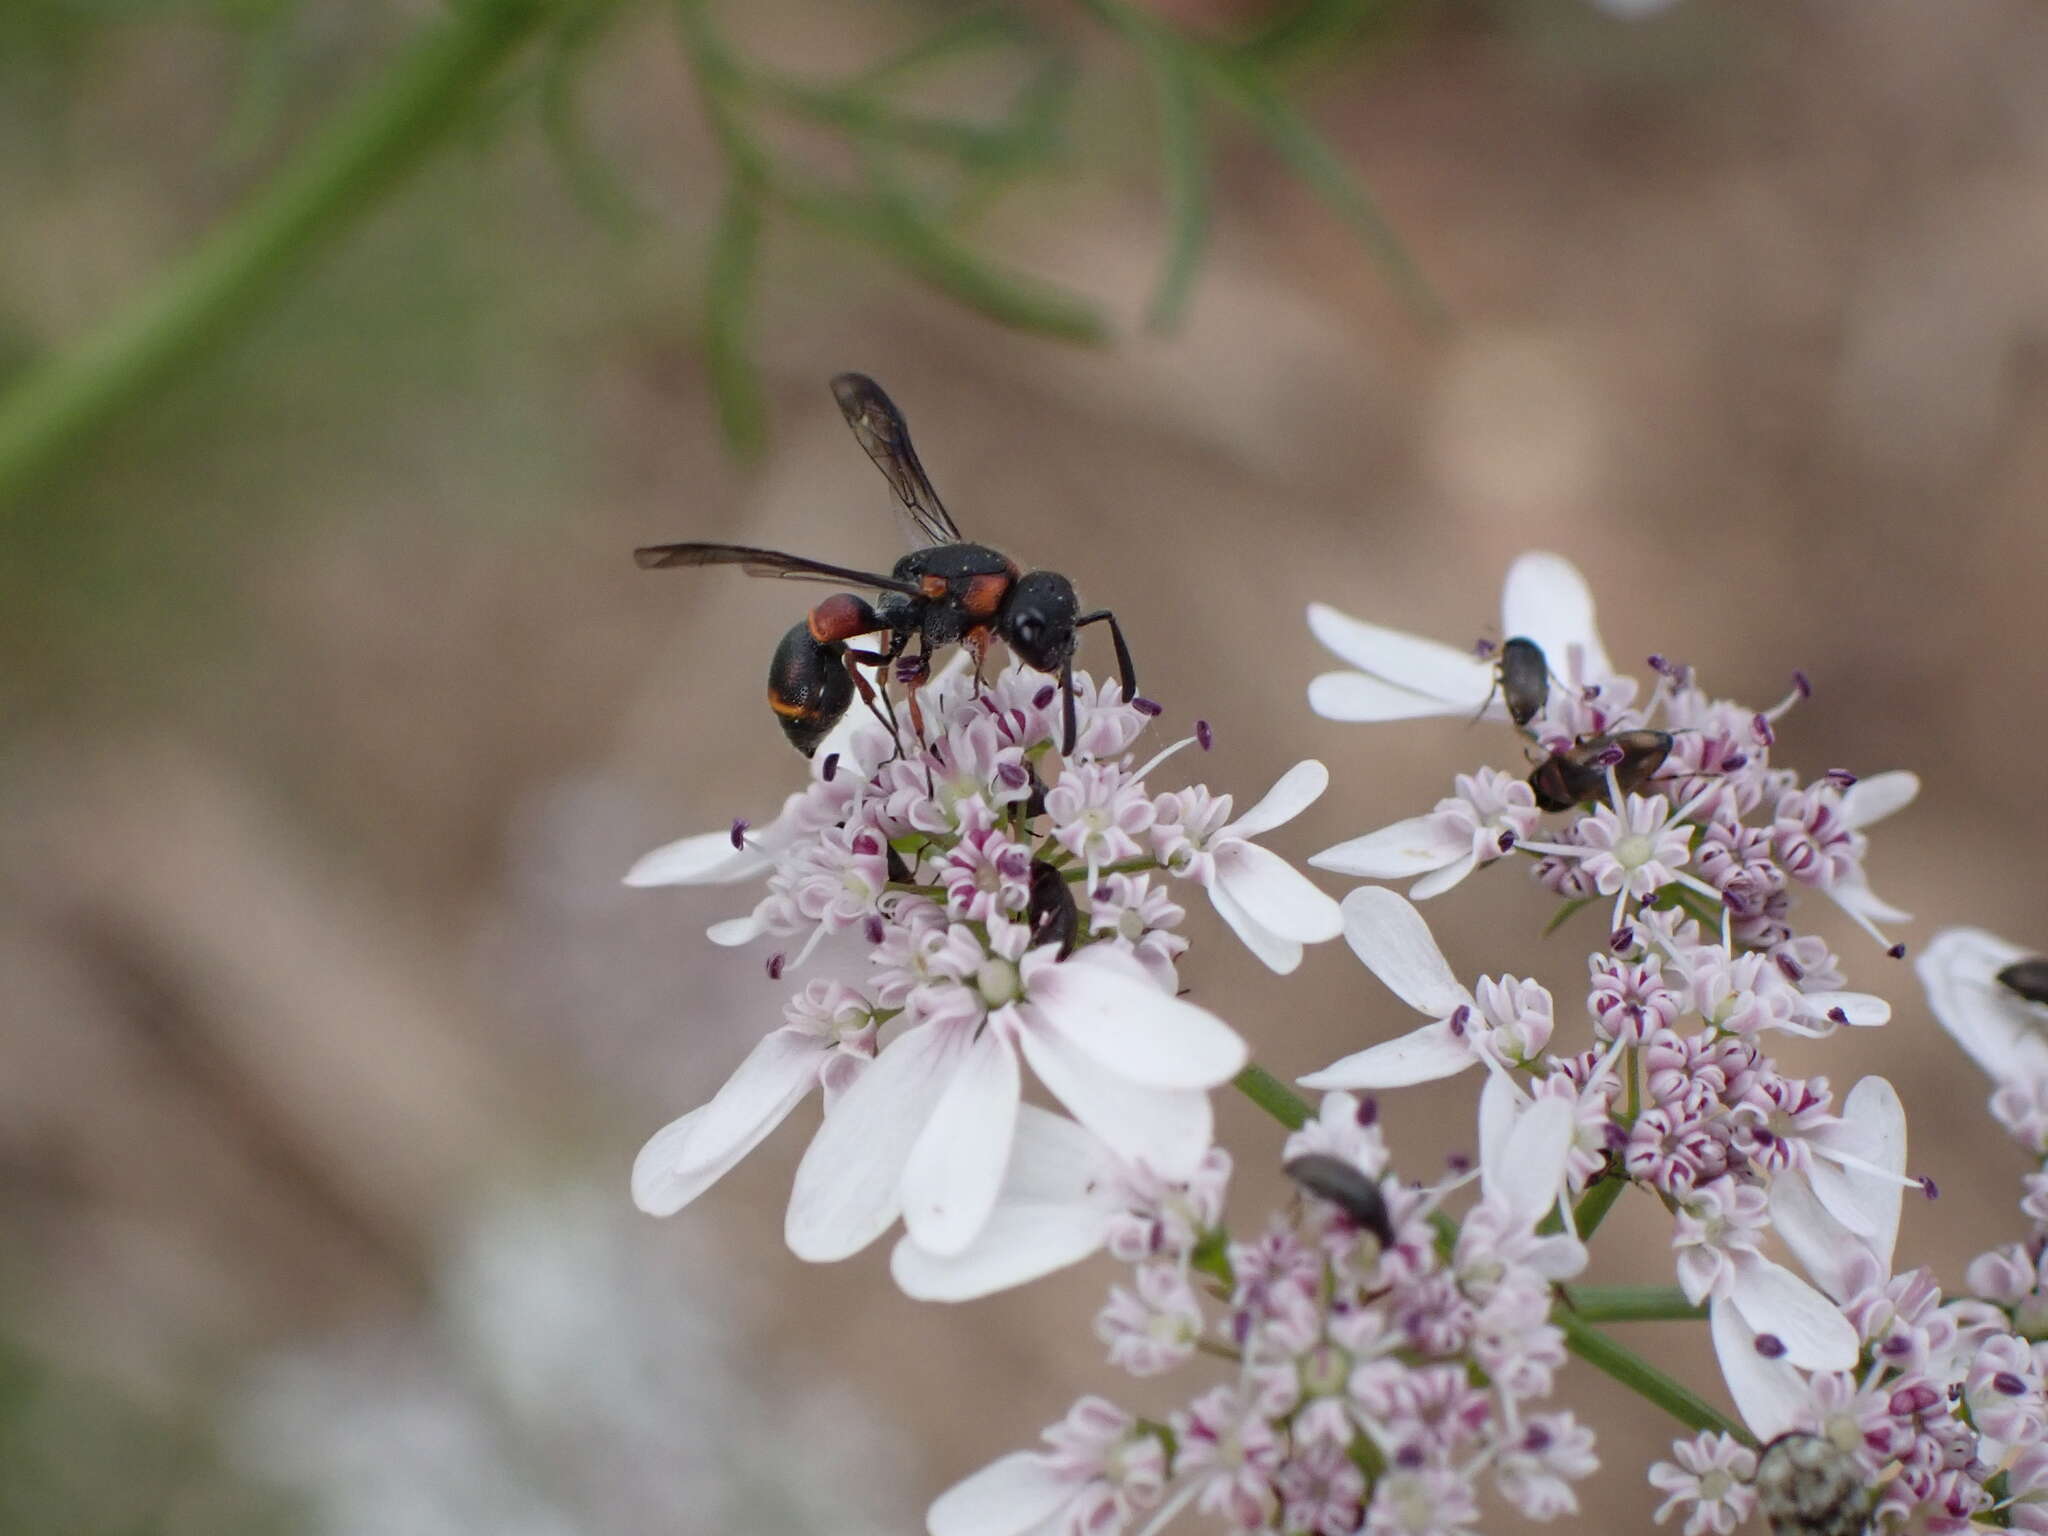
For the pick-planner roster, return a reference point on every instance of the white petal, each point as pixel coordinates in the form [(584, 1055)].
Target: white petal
[(1436, 884), (1360, 700), (1005, 1498), (1390, 936), (956, 1166), (674, 1169), (1169, 1129), (735, 931), (1053, 1160), (1530, 1168), (1773, 1300), (1825, 1248), (706, 859), (1110, 1009), (1769, 1394), (847, 1188), (1279, 897), (1862, 1009), (1427, 667), (1873, 1128), (1280, 955), (1854, 895), (1498, 1101), (1295, 791), (1420, 1056), (1878, 796), (2000, 1031), (1412, 847), (1545, 599), (1019, 1243)]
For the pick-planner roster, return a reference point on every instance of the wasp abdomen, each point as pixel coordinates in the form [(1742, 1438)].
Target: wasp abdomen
[(809, 687)]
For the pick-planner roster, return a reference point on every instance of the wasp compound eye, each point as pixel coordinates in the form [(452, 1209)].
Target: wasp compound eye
[(1347, 1187)]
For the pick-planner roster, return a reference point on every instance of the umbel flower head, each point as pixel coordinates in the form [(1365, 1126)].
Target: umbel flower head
[(968, 906)]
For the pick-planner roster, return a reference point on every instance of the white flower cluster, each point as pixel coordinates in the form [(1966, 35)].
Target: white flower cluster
[(1384, 1376), (967, 905)]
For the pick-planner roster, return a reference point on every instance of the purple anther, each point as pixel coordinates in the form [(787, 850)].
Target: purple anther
[(775, 967), (1793, 970), (1735, 762), (1623, 939), (1044, 697), (1929, 1188), (873, 929), (1537, 1440), (1802, 684), (1368, 1110), (1611, 755), (1760, 724), (1013, 775), (1770, 1346), (1459, 1019), (1482, 647), (2009, 1384), (1659, 665), (1839, 1015), (1590, 693), (867, 845), (1841, 778), (1507, 842), (1204, 737), (831, 766), (1147, 708), (1897, 951), (739, 833), (1458, 1162)]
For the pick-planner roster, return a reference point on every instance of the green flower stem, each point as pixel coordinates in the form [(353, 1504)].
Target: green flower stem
[(1631, 1304), (60, 403), (1643, 1378), (1595, 1203), (1273, 1096)]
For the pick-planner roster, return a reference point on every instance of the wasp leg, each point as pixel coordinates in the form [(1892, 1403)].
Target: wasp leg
[(1067, 707), (1124, 668), (855, 660)]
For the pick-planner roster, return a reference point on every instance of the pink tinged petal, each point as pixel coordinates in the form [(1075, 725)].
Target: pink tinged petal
[(735, 931), (1825, 1249), (1773, 1300), (1438, 674), (1054, 1160), (1019, 1243), (1412, 847), (1295, 791), (1421, 1056), (956, 1166), (1169, 1129), (1545, 599), (675, 1168), (1442, 880), (1356, 699), (1278, 954), (1005, 1498), (706, 859), (1105, 1005), (1279, 897), (1861, 1009), (847, 1188), (1878, 796), (1529, 1171), (1959, 969), (1770, 1394), (1390, 936)]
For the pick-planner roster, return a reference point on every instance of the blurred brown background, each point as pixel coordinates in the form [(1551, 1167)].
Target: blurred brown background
[(335, 708)]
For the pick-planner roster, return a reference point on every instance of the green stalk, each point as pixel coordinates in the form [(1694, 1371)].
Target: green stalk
[(1273, 1096), (1643, 1378), (1631, 1304), (60, 403)]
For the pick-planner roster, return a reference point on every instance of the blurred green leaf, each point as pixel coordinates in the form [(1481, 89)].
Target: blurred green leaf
[(1184, 152), (729, 289)]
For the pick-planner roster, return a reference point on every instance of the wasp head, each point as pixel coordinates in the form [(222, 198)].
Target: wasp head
[(1038, 620)]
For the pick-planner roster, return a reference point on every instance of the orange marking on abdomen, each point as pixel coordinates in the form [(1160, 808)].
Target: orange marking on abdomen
[(791, 709)]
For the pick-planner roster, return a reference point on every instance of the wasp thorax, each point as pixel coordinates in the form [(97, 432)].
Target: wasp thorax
[(1806, 1485)]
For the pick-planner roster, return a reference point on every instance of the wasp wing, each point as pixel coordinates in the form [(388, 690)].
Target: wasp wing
[(764, 562), (882, 432)]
